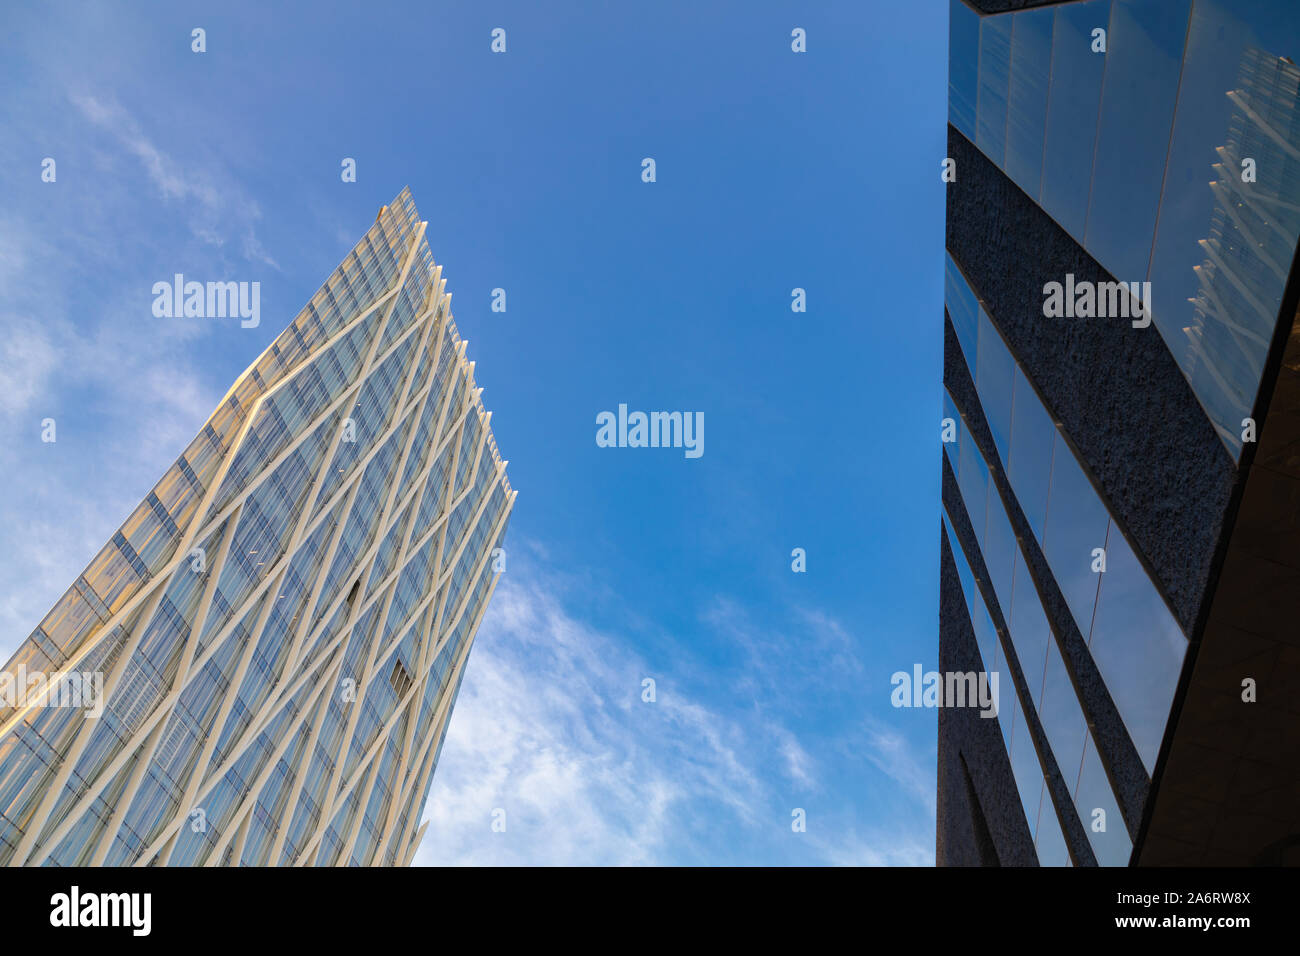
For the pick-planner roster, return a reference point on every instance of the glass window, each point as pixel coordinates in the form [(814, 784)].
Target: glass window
[(1144, 53), (973, 479), (1112, 845), (963, 568), (1138, 647), (995, 376), (991, 109), (1237, 100), (1049, 839), (986, 636), (1074, 530), (999, 548), (1008, 711), (963, 66), (1029, 467), (1028, 774), (1072, 112), (1029, 631), (1062, 717), (952, 448), (964, 311), (1031, 68)]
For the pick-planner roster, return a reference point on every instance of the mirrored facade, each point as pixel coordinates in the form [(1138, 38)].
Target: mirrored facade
[(1148, 152), (1129, 134), (282, 625)]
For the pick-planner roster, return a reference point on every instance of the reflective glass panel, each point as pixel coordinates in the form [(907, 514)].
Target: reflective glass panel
[(1049, 840), (1028, 774), (1031, 69), (1029, 631), (963, 66), (1029, 468), (963, 310), (1138, 647), (1074, 530), (999, 548), (991, 109), (1224, 245), (1144, 56), (985, 634), (973, 479), (1072, 112), (1111, 845), (963, 568), (1062, 717), (994, 379)]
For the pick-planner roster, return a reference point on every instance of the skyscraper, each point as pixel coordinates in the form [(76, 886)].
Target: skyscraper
[(268, 651), (1121, 485)]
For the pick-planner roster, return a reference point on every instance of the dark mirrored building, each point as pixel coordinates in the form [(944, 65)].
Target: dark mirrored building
[(1121, 469)]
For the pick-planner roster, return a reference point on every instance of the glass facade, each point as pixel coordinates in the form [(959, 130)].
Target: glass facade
[(1172, 156), (1164, 137), (281, 626), (1135, 642), (1053, 696)]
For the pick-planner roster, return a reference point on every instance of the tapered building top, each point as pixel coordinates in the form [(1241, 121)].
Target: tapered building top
[(281, 627)]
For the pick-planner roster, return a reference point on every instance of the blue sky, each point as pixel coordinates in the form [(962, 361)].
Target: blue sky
[(775, 170)]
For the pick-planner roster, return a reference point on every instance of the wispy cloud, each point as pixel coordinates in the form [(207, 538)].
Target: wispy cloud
[(896, 757), (216, 207), (27, 359), (551, 728), (127, 392)]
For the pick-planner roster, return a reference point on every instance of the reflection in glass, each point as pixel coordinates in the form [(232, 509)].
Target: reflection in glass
[(1029, 631), (972, 479), (1028, 774), (1173, 204), (1072, 113), (991, 107), (1143, 60), (1111, 845), (1138, 647), (1029, 466), (964, 574), (1008, 714), (1049, 840), (1062, 717), (963, 66), (1224, 245), (986, 636), (1031, 66), (999, 548), (1074, 530), (963, 310), (995, 375)]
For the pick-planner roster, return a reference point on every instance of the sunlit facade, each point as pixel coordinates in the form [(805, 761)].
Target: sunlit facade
[(282, 626)]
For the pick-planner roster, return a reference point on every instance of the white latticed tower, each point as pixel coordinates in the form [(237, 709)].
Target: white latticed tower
[(281, 627)]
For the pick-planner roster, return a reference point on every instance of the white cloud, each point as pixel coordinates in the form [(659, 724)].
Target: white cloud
[(27, 359), (127, 394), (895, 756), (218, 207), (798, 764), (550, 726)]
